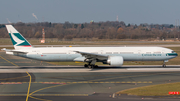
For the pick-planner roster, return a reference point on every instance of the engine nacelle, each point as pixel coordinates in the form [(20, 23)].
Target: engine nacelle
[(115, 60)]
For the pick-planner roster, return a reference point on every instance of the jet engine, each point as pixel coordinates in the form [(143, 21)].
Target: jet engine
[(115, 60)]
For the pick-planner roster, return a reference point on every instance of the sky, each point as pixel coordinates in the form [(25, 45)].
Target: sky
[(81, 11)]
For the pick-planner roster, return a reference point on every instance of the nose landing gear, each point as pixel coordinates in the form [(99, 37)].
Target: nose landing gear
[(164, 63)]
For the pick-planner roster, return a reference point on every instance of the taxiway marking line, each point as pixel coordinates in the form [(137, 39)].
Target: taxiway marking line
[(39, 98), (29, 86), (9, 61), (45, 95), (44, 88)]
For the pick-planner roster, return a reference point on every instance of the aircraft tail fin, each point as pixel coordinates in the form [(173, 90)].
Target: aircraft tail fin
[(17, 39)]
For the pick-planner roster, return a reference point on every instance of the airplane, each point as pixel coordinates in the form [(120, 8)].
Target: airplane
[(114, 56)]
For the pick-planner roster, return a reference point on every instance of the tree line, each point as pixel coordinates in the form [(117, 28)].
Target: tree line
[(100, 30)]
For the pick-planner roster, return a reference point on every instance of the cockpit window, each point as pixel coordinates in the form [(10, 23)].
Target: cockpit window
[(172, 52)]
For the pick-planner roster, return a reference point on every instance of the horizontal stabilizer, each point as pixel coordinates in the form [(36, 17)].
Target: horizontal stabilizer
[(14, 51)]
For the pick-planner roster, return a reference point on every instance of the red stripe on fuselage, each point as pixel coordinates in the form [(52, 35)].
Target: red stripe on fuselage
[(26, 46)]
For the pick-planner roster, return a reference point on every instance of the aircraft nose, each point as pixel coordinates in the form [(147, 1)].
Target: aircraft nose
[(172, 54), (175, 54)]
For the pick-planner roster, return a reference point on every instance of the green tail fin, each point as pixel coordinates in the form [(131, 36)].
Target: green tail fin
[(17, 39)]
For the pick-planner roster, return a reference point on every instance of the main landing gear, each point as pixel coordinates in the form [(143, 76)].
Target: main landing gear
[(90, 66)]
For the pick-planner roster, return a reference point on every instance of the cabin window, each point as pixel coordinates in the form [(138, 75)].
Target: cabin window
[(126, 52), (157, 52), (95, 52), (115, 52), (108, 52), (148, 52), (53, 53)]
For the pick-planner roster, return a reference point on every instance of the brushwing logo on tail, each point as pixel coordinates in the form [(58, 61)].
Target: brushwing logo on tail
[(17, 40)]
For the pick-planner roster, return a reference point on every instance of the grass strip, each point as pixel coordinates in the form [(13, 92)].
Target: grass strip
[(153, 90)]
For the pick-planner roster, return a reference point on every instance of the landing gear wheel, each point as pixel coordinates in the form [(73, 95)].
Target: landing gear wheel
[(96, 66), (163, 65), (85, 65), (89, 66)]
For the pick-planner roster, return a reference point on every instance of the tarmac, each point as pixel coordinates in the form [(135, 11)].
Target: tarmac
[(24, 79)]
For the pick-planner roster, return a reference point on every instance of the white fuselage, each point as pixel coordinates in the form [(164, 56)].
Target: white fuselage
[(69, 54)]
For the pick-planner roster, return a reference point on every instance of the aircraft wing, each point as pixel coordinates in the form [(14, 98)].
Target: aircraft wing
[(93, 55)]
